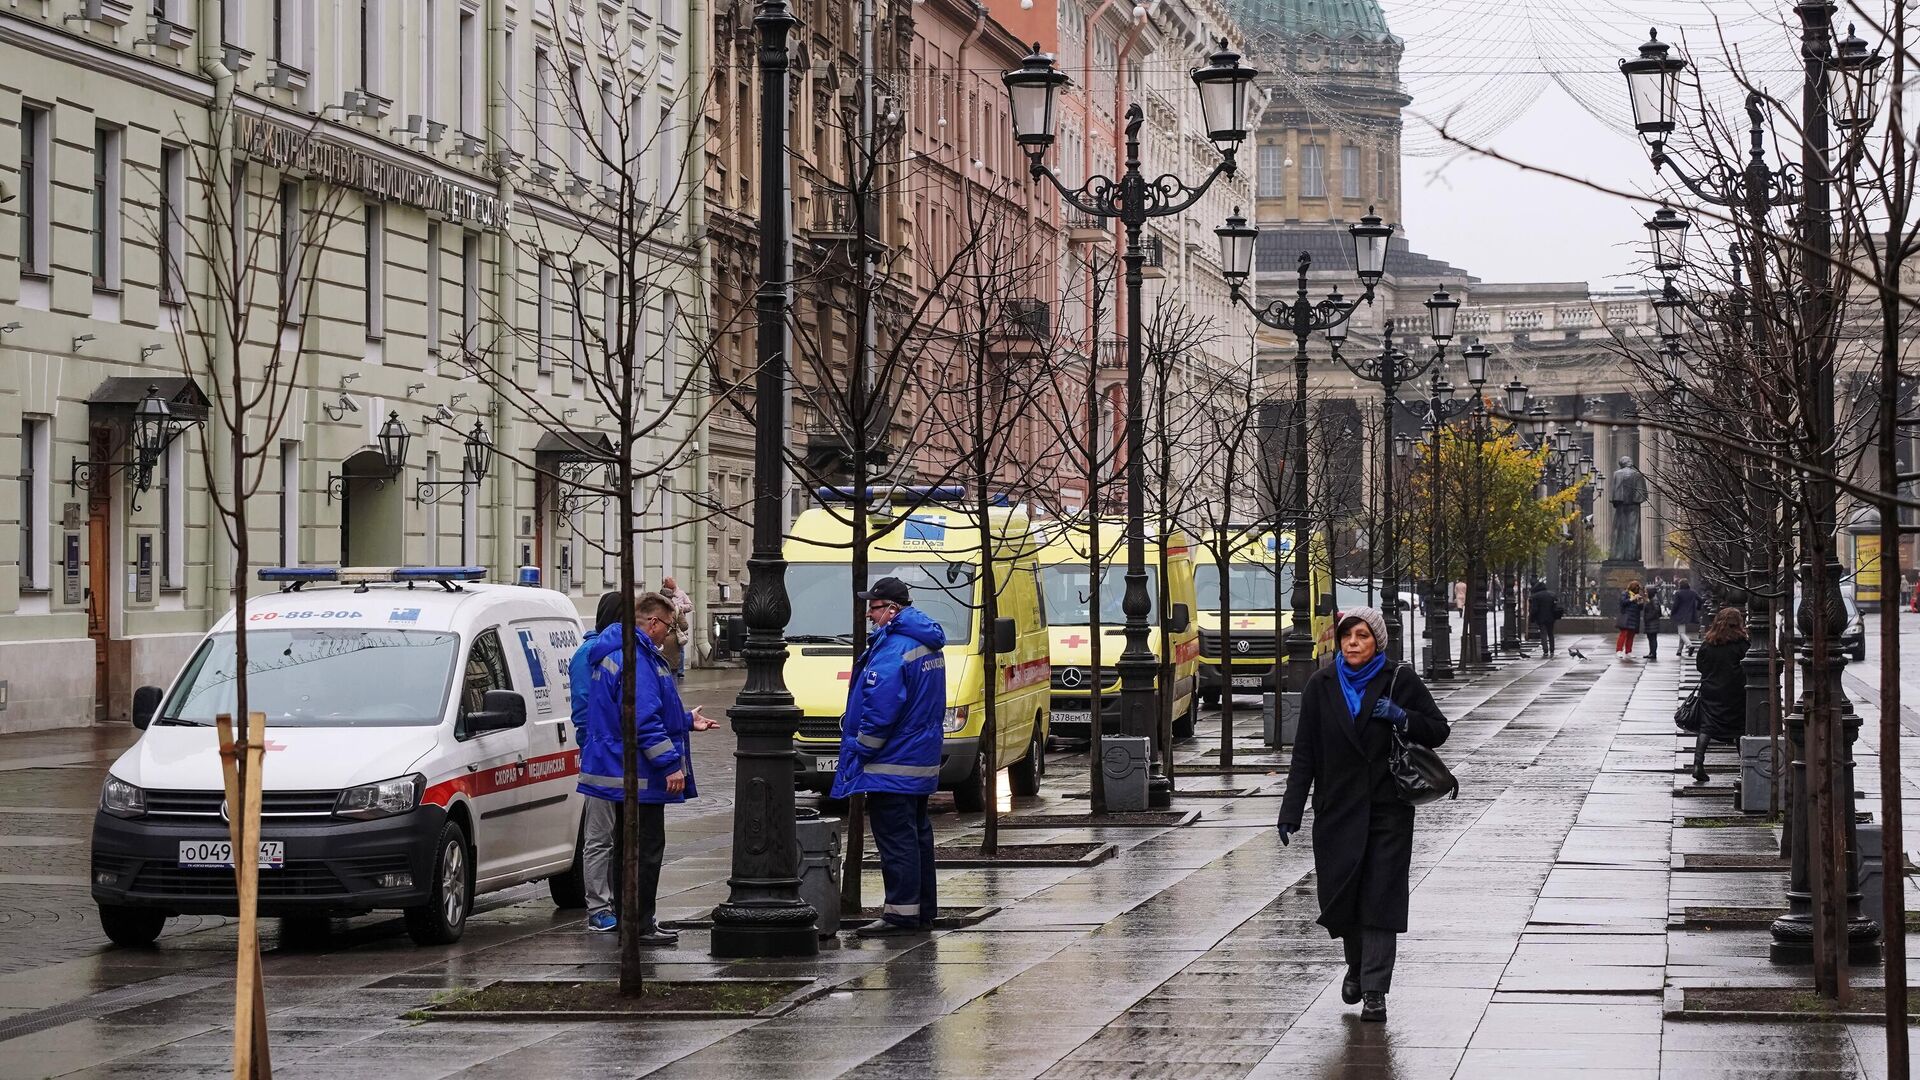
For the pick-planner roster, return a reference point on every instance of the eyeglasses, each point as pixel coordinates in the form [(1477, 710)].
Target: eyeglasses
[(879, 605)]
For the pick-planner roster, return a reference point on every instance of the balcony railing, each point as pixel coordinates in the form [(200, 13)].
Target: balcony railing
[(1029, 317)]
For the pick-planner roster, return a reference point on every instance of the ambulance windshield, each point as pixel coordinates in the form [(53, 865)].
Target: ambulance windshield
[(822, 596), (1064, 587), (346, 677)]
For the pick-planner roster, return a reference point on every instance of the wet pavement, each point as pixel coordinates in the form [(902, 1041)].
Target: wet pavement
[(1548, 935)]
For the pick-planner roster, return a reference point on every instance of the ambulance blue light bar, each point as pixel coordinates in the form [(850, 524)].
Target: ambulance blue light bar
[(306, 574)]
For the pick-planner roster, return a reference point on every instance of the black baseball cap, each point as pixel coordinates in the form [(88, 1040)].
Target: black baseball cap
[(890, 589)]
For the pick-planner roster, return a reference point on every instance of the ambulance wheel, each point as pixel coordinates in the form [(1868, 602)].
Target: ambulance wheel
[(1023, 776), (1183, 724), (971, 796), (569, 889), (443, 918), (131, 927)]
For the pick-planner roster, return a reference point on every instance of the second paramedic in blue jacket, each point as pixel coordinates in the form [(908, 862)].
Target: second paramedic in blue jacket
[(890, 741)]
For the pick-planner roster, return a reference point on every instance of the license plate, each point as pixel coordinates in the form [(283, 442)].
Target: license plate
[(1060, 717), (1249, 682), (826, 764), (219, 853)]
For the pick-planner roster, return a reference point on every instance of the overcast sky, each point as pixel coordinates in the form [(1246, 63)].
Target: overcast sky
[(1507, 72)]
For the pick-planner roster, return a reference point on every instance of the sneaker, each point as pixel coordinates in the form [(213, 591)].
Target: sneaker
[(1375, 1009), (603, 922), (881, 928)]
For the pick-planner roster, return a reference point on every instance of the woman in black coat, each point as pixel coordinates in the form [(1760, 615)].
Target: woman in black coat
[(1723, 686), (1363, 832)]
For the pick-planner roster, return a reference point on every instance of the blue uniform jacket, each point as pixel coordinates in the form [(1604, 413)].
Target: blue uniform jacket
[(580, 679), (662, 723), (896, 699)]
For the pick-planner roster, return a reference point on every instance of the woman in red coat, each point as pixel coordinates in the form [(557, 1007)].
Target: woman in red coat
[(1363, 831)]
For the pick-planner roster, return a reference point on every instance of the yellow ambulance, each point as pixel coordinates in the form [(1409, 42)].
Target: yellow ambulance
[(1064, 588), (934, 547), (1251, 667)]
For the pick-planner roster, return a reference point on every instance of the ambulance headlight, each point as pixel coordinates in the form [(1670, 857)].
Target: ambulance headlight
[(121, 799), (384, 799), (955, 720)]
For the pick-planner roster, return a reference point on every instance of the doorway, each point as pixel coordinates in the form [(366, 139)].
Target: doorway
[(99, 593), (372, 513)]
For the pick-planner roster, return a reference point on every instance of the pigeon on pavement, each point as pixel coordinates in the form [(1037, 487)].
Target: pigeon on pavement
[(1576, 653)]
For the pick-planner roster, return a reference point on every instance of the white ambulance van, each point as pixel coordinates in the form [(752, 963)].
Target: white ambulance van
[(419, 751)]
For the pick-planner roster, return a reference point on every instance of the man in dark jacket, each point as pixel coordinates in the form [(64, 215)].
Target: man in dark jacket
[(1543, 610), (890, 739), (665, 762), (1685, 614)]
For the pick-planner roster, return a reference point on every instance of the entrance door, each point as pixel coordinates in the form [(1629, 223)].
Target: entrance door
[(373, 514), (99, 578)]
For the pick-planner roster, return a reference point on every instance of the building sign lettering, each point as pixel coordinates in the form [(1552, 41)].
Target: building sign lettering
[(292, 150)]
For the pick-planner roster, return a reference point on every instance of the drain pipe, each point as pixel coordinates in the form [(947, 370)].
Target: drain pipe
[(700, 74), (221, 358)]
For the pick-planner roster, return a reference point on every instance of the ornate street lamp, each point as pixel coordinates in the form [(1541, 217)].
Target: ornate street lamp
[(1653, 88), (1302, 317), (1668, 230), (1855, 94), (477, 455), (393, 440), (1670, 312), (1441, 309), (153, 427), (1390, 368), (1441, 408), (1225, 88), (764, 914)]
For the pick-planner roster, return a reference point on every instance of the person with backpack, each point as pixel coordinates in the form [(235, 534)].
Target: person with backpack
[(1543, 610)]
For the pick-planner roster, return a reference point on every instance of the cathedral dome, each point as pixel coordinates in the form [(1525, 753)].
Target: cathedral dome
[(1335, 20)]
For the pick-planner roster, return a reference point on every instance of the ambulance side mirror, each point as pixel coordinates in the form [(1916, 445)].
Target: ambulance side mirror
[(146, 702), (736, 634), (1006, 636), (1326, 604), (500, 710), (1182, 618)]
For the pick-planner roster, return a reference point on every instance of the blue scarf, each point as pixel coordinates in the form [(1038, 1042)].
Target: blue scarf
[(1353, 681)]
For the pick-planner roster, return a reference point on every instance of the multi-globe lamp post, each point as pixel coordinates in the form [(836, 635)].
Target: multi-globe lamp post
[(1303, 317), (1442, 408), (1847, 103), (1225, 87)]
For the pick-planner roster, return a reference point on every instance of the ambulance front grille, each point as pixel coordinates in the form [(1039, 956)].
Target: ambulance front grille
[(273, 804), (820, 727)]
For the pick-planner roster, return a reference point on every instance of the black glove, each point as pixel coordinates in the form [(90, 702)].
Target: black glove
[(1286, 829), (1385, 709)]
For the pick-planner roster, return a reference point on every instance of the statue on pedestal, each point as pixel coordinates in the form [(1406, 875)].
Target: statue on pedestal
[(1626, 490)]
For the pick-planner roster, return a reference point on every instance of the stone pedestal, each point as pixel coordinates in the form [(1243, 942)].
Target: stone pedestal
[(1614, 577)]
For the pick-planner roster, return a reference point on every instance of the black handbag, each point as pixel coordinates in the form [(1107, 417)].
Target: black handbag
[(1687, 716), (1419, 776)]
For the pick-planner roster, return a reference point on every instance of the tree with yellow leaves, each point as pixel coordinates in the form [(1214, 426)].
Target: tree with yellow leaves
[(1511, 525)]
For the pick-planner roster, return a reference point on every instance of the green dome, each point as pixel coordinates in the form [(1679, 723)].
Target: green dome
[(1339, 20)]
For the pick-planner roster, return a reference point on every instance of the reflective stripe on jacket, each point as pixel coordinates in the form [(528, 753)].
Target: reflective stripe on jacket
[(661, 723), (890, 736)]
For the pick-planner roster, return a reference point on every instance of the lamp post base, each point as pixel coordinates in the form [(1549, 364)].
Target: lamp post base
[(754, 931), (1793, 940)]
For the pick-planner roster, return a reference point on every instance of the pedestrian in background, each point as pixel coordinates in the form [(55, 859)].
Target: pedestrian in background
[(1543, 610), (676, 649), (1685, 613), (662, 726), (1650, 614), (890, 739), (1362, 829), (1628, 621), (1723, 686)]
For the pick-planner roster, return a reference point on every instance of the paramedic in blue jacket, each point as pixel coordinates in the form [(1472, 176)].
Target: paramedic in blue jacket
[(890, 743), (662, 727)]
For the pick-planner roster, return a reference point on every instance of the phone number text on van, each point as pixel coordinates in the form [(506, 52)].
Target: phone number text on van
[(265, 616)]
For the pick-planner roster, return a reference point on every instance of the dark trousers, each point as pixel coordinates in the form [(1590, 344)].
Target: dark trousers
[(1653, 645), (903, 835), (1370, 952), (1546, 638), (602, 861)]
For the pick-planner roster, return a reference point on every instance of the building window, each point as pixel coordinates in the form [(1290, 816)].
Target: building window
[(173, 225), (610, 318), (613, 151), (578, 286), (1380, 175), (376, 273), (576, 120), (430, 472), (543, 106), (289, 503), (1350, 172), (277, 50), (510, 86), (292, 253), (1272, 171), (469, 522), (469, 296), (36, 503), (669, 340), (543, 316), (470, 109), (173, 515), (106, 208), (1313, 171), (36, 126), (373, 48), (433, 295), (429, 56), (664, 146)]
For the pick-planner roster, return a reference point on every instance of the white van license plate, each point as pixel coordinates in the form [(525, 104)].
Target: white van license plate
[(1060, 717), (1249, 682), (205, 853), (826, 764)]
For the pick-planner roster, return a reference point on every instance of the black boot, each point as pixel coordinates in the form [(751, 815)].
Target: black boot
[(1375, 1009), (1350, 988)]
